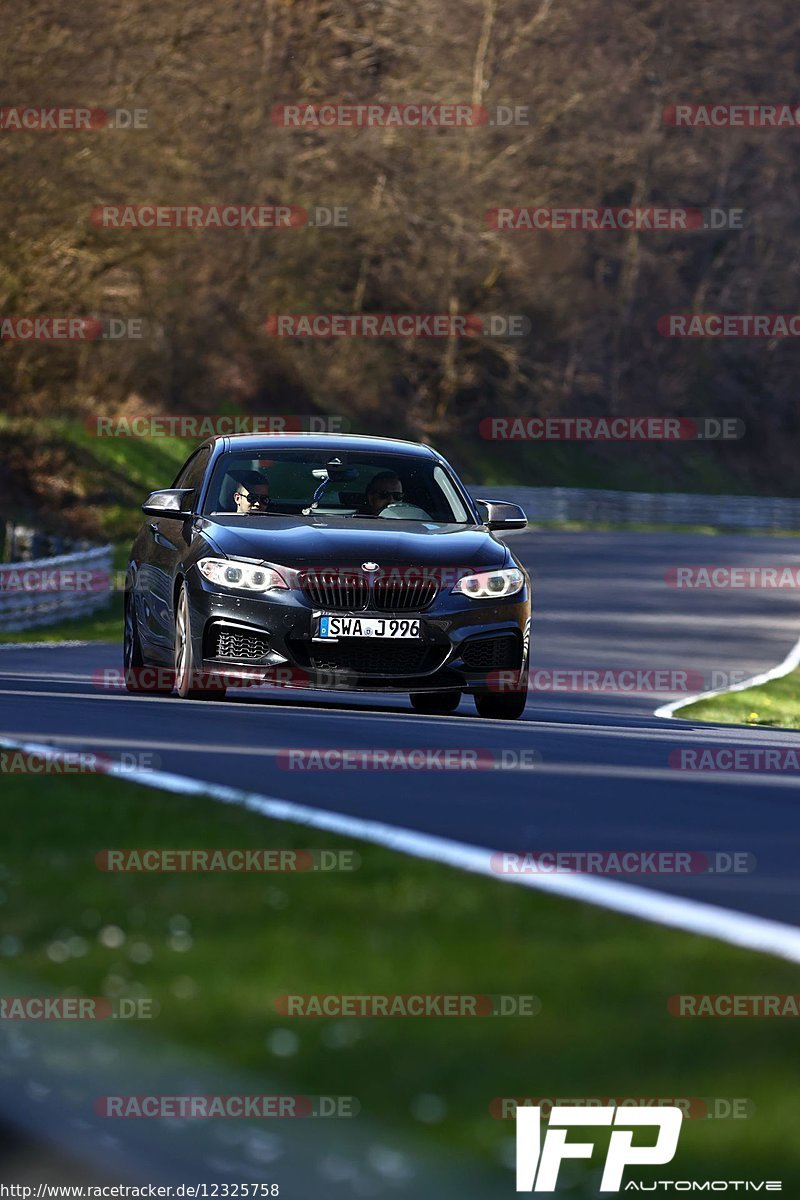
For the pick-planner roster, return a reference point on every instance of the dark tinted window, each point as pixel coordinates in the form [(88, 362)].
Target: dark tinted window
[(295, 476), (193, 470)]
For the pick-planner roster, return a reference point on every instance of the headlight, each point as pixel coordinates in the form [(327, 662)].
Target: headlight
[(244, 577), (491, 585)]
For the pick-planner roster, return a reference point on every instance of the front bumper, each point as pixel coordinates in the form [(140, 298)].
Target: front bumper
[(270, 640)]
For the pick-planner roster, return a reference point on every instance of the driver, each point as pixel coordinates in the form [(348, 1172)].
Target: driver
[(252, 492), (383, 489)]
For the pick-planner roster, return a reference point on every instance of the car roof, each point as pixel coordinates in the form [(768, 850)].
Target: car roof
[(323, 441)]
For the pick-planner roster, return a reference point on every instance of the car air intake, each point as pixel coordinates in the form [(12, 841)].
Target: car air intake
[(229, 642), (391, 659), (481, 654)]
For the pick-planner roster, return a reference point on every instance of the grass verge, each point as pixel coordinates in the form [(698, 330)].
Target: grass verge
[(216, 950), (109, 476), (776, 704)]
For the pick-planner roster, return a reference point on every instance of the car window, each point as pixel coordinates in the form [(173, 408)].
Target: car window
[(411, 487), (445, 483), (192, 472)]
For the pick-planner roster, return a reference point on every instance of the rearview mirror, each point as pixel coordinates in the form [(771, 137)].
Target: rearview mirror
[(172, 502), (497, 514)]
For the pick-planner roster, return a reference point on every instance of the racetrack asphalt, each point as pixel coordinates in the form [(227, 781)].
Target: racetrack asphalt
[(598, 775)]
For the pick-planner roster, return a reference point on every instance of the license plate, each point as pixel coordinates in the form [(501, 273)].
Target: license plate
[(377, 627)]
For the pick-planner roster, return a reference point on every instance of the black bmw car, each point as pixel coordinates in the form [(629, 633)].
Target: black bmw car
[(352, 563)]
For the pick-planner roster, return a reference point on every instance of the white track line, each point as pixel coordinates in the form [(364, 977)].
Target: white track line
[(789, 664), (692, 916), (595, 770), (39, 645)]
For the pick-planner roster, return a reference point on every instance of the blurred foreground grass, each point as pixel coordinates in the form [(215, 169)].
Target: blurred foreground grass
[(216, 950)]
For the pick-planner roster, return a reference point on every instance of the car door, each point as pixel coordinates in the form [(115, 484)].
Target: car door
[(168, 540)]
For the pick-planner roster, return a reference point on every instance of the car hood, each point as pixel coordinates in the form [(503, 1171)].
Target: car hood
[(306, 541)]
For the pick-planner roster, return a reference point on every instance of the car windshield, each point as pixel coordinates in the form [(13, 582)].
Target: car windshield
[(343, 484)]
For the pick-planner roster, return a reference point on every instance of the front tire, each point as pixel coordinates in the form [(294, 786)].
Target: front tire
[(506, 705), (139, 678), (435, 703), (502, 708), (186, 674)]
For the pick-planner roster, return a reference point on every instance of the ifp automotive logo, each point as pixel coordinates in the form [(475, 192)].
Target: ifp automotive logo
[(538, 1166)]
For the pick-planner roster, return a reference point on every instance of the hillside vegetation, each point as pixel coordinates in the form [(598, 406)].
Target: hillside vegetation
[(596, 77)]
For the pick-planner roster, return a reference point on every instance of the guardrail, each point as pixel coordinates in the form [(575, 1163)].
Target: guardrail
[(47, 590), (649, 508), (23, 543)]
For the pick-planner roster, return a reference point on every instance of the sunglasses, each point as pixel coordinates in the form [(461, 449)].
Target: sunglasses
[(255, 498), (389, 495)]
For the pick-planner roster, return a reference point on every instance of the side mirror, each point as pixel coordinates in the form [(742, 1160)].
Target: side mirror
[(173, 502), (497, 514)]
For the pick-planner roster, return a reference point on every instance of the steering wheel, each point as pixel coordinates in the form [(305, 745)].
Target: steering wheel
[(404, 512)]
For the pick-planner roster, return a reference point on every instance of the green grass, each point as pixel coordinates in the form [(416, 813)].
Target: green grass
[(141, 459), (127, 468), (396, 925), (617, 466), (776, 703)]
